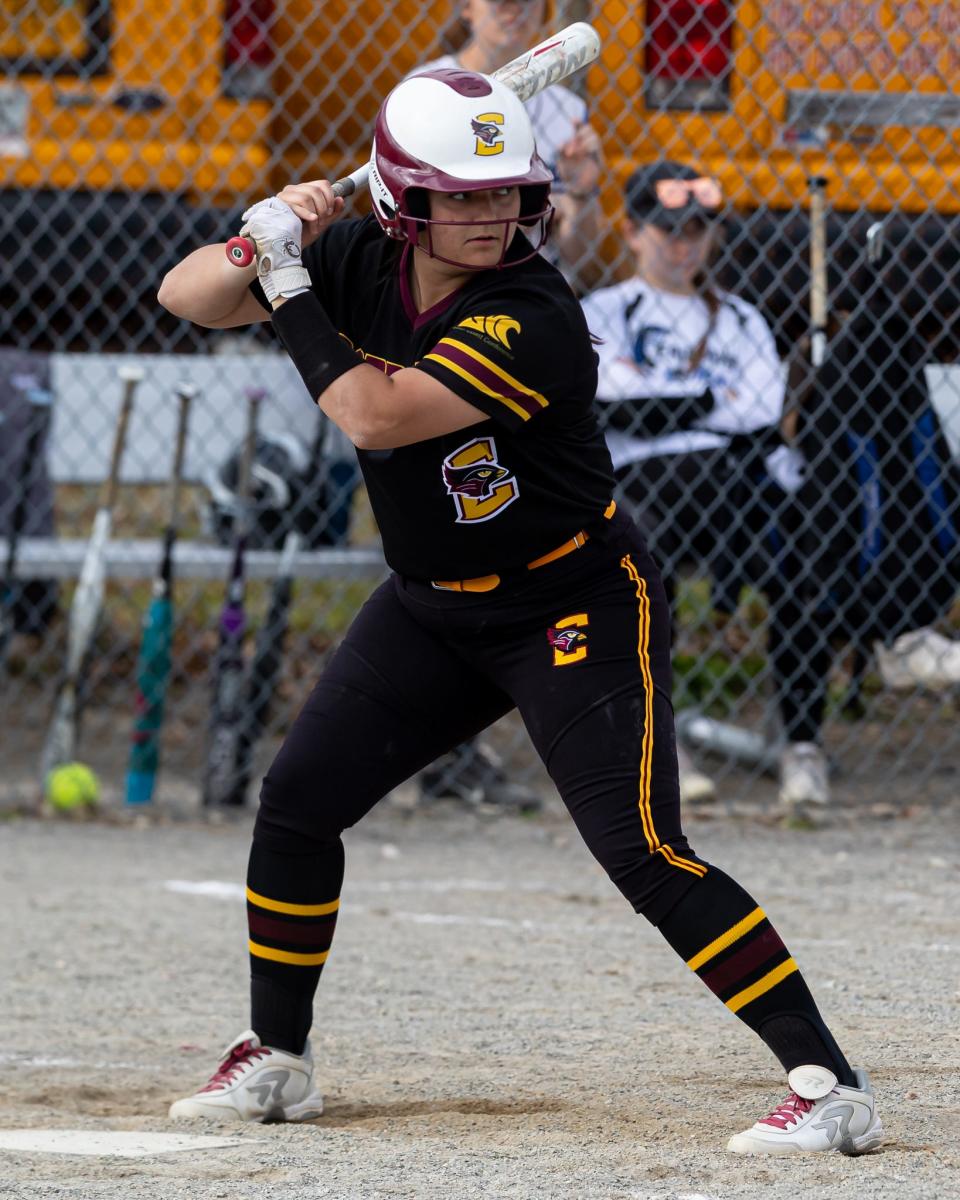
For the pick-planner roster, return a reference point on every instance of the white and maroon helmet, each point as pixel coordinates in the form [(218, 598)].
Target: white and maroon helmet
[(451, 130)]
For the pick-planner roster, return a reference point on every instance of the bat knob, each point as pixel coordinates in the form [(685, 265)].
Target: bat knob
[(240, 251)]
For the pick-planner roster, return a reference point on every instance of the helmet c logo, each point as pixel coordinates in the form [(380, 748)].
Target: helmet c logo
[(481, 488), (487, 127)]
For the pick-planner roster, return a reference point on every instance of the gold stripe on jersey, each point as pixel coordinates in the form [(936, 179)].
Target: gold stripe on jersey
[(483, 373), (293, 910)]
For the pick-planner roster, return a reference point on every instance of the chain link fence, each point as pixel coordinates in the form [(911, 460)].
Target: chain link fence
[(132, 131)]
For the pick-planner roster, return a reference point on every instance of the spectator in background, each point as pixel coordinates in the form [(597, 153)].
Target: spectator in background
[(498, 31), (691, 395)]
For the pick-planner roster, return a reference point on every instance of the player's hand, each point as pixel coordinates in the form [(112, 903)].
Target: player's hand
[(315, 205), (580, 162), (276, 229)]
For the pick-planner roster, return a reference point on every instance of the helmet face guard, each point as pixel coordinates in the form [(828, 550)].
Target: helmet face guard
[(456, 131)]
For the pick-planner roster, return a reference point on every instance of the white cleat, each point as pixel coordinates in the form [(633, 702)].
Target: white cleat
[(255, 1083), (804, 775), (695, 786), (818, 1115)]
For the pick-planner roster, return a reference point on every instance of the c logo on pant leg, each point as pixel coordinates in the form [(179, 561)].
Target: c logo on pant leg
[(568, 640)]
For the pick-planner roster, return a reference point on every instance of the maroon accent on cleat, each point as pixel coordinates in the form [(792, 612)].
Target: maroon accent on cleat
[(238, 1057), (788, 1112)]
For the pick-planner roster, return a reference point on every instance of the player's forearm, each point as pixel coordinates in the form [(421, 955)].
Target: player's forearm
[(358, 403), (356, 397), (205, 288)]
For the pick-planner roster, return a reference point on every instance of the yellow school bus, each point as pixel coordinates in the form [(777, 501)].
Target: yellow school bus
[(765, 93), (214, 99), (163, 118)]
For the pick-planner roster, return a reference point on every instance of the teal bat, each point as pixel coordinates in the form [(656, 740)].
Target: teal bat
[(153, 667)]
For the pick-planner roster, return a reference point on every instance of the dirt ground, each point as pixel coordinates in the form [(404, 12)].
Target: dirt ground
[(493, 1022)]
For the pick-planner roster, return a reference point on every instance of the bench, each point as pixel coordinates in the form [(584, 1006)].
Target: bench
[(137, 558)]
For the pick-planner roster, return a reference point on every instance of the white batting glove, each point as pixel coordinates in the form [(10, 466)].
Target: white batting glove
[(277, 231)]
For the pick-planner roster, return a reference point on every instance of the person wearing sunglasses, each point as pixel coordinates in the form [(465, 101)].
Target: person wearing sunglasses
[(691, 394)]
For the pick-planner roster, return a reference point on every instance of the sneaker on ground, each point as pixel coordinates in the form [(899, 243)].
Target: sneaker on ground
[(819, 1114), (804, 774), (475, 775), (922, 658), (695, 786), (255, 1083)]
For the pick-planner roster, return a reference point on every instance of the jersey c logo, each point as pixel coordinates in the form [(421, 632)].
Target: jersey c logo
[(568, 640), (497, 329), (487, 127), (481, 488)]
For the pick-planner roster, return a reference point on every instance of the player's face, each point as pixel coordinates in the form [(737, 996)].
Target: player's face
[(479, 245), (671, 259), (504, 28)]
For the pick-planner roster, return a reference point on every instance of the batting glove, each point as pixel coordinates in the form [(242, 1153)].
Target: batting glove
[(277, 230)]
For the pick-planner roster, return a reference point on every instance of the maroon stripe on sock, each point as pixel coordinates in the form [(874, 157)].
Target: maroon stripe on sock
[(317, 933), (744, 961)]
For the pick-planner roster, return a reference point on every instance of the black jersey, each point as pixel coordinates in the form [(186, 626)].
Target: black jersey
[(494, 496)]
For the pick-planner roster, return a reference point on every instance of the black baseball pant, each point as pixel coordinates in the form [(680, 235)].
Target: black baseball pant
[(581, 648), (421, 670)]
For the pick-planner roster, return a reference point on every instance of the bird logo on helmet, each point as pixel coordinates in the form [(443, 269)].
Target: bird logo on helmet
[(461, 147), (489, 133)]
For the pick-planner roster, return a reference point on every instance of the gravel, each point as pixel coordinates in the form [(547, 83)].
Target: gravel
[(493, 1022)]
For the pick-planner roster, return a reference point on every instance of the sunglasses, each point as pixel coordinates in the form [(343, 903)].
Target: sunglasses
[(678, 193)]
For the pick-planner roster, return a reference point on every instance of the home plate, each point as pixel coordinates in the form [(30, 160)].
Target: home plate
[(107, 1144)]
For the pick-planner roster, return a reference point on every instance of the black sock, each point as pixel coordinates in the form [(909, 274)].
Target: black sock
[(726, 938), (280, 1018), (292, 905)]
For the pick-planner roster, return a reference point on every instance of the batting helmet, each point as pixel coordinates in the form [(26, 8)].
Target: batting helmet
[(449, 131)]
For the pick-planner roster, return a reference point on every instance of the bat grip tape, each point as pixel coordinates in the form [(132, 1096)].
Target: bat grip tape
[(308, 335)]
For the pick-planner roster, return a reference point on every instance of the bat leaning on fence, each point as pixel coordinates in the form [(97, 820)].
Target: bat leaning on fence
[(265, 668), (153, 666), (269, 648), (226, 717), (819, 295), (61, 740), (10, 589), (544, 64)]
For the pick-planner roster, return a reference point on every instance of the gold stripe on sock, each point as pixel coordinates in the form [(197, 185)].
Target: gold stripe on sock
[(726, 939), (770, 980), (293, 910), (287, 956)]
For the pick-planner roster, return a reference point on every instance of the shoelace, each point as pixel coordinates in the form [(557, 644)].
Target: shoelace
[(788, 1112), (238, 1057)]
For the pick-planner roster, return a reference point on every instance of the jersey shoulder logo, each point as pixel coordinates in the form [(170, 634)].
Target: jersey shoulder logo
[(488, 129), (497, 329), (480, 486), (568, 639)]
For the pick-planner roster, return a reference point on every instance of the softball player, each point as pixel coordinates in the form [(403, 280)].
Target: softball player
[(460, 365)]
